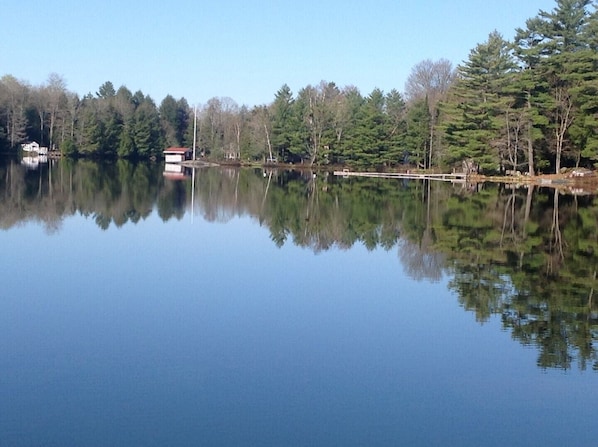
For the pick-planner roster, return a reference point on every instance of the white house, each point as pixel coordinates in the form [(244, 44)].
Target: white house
[(34, 147), (30, 147)]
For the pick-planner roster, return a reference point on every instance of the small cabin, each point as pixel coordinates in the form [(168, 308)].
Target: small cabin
[(177, 154)]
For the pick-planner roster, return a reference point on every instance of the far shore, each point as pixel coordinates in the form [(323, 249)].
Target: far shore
[(570, 177)]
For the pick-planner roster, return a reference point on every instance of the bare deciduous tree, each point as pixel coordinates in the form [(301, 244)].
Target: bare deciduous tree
[(231, 128), (261, 130), (321, 103), (56, 101), (14, 95), (430, 80)]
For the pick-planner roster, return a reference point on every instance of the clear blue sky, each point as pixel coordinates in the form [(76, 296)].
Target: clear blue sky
[(245, 50)]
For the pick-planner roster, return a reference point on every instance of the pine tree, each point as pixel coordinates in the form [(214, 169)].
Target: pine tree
[(417, 133), (146, 133), (285, 139), (395, 108), (347, 113), (476, 118), (126, 143), (549, 47)]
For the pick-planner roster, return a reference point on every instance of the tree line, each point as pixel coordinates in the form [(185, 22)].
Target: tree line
[(529, 104), (111, 123)]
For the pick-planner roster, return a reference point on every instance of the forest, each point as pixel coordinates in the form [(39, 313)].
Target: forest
[(528, 104)]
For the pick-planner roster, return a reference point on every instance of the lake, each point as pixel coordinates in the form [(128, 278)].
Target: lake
[(277, 308)]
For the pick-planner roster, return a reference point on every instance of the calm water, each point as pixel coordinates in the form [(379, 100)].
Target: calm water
[(279, 309)]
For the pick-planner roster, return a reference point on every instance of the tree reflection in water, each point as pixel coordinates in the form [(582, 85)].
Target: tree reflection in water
[(528, 256)]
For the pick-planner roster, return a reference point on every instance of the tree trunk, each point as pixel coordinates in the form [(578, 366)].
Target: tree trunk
[(431, 146), (268, 141), (563, 121), (41, 114), (238, 139), (530, 140)]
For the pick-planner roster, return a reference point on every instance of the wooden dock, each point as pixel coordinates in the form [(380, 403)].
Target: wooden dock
[(454, 177)]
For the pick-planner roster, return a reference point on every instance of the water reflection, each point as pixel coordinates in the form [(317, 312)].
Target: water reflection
[(527, 255)]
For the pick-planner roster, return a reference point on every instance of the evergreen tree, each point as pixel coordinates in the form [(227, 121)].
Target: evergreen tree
[(395, 108), (477, 117), (168, 119), (549, 47), (146, 132), (347, 113), (584, 130), (174, 119), (286, 140), (126, 144), (91, 131), (182, 121), (417, 133), (112, 133), (106, 91), (372, 132)]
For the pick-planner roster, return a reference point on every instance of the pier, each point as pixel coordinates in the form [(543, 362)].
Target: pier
[(454, 177)]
